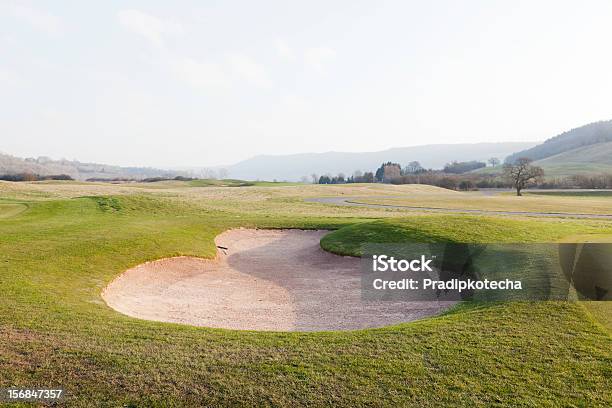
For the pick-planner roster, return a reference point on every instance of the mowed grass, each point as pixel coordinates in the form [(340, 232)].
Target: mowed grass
[(577, 193), (601, 313), (11, 209), (56, 257), (535, 203), (165, 184), (457, 228), (237, 183)]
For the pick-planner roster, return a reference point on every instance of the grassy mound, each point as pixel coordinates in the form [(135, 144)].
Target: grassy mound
[(455, 228)]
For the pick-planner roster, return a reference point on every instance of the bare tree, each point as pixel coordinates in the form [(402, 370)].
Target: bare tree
[(315, 178), (493, 161), (521, 173)]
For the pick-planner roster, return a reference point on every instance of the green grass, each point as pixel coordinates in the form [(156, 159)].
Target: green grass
[(445, 228), (55, 330), (601, 312), (352, 240), (11, 209)]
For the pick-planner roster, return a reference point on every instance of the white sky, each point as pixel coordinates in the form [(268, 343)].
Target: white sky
[(173, 83)]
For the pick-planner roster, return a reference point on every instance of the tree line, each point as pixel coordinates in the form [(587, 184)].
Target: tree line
[(33, 177), (357, 177), (455, 175), (390, 172)]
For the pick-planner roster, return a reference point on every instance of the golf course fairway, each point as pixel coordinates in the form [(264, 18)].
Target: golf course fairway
[(74, 239)]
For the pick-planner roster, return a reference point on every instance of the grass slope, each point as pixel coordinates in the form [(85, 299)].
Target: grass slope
[(585, 160), (590, 159), (56, 257)]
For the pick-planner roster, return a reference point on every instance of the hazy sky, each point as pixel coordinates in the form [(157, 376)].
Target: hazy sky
[(167, 83)]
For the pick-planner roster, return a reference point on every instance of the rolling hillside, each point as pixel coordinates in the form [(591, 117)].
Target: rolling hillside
[(595, 158), (576, 140), (45, 166), (293, 167), (583, 150)]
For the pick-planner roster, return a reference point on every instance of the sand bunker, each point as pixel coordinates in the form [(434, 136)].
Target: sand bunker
[(277, 280)]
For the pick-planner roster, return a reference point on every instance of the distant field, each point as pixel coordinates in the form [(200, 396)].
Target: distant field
[(74, 239), (218, 183), (210, 183), (533, 202), (238, 183), (576, 193)]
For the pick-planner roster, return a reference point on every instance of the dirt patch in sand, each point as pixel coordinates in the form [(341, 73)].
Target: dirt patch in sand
[(278, 280)]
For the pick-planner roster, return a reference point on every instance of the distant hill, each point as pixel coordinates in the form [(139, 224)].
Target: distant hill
[(583, 150), (591, 159), (45, 166), (293, 167), (593, 133)]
